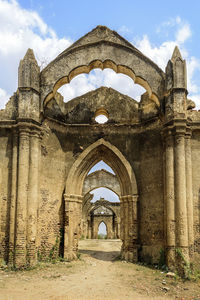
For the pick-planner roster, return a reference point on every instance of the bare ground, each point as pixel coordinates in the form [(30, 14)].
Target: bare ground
[(98, 274)]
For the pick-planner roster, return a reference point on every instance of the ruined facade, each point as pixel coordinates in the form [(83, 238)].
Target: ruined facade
[(47, 148)]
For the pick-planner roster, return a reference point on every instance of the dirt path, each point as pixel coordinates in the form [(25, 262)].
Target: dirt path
[(97, 275)]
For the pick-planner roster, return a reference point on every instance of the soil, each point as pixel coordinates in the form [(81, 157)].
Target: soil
[(98, 274)]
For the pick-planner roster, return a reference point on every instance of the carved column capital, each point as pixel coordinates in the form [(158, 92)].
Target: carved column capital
[(35, 133), (24, 131), (188, 133)]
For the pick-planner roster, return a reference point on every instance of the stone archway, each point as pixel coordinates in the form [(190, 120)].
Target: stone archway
[(102, 48), (107, 212), (101, 149)]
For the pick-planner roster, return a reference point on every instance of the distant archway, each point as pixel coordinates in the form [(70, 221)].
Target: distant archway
[(102, 230), (102, 149)]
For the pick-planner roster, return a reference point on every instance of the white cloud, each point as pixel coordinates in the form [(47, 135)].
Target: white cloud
[(183, 34), (124, 30), (21, 29), (4, 97), (162, 53), (196, 99)]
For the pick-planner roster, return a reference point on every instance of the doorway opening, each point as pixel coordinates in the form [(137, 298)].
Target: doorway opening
[(86, 214), (102, 230)]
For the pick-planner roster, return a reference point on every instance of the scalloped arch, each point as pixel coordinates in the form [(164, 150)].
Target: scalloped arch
[(102, 54)]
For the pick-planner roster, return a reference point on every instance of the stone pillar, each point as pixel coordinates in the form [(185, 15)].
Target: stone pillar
[(118, 228), (22, 193), (109, 225), (132, 228), (129, 223), (122, 226), (125, 226), (180, 195), (169, 199), (13, 198), (189, 191), (32, 207), (89, 235), (73, 205), (134, 205)]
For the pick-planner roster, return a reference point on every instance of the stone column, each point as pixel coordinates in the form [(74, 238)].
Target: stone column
[(89, 229), (132, 225), (169, 200), (78, 215), (134, 205), (180, 194), (72, 225), (109, 224), (122, 226), (126, 227), (33, 197), (22, 193), (118, 228), (13, 198), (189, 191)]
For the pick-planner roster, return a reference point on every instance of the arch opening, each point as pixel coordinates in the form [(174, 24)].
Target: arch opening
[(101, 165), (104, 193), (96, 78), (117, 226), (102, 230), (98, 64)]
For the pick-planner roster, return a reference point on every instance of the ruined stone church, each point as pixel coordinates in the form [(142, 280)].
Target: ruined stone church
[(47, 148)]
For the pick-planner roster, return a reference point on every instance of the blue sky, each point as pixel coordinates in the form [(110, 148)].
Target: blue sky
[(48, 27), (75, 18)]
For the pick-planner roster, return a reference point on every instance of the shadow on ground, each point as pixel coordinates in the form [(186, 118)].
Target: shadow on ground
[(102, 255)]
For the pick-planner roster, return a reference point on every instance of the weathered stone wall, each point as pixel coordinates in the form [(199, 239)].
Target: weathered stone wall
[(151, 191), (61, 146), (53, 167)]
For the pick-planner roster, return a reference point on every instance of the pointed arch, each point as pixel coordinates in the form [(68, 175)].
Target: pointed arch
[(101, 149), (100, 222)]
